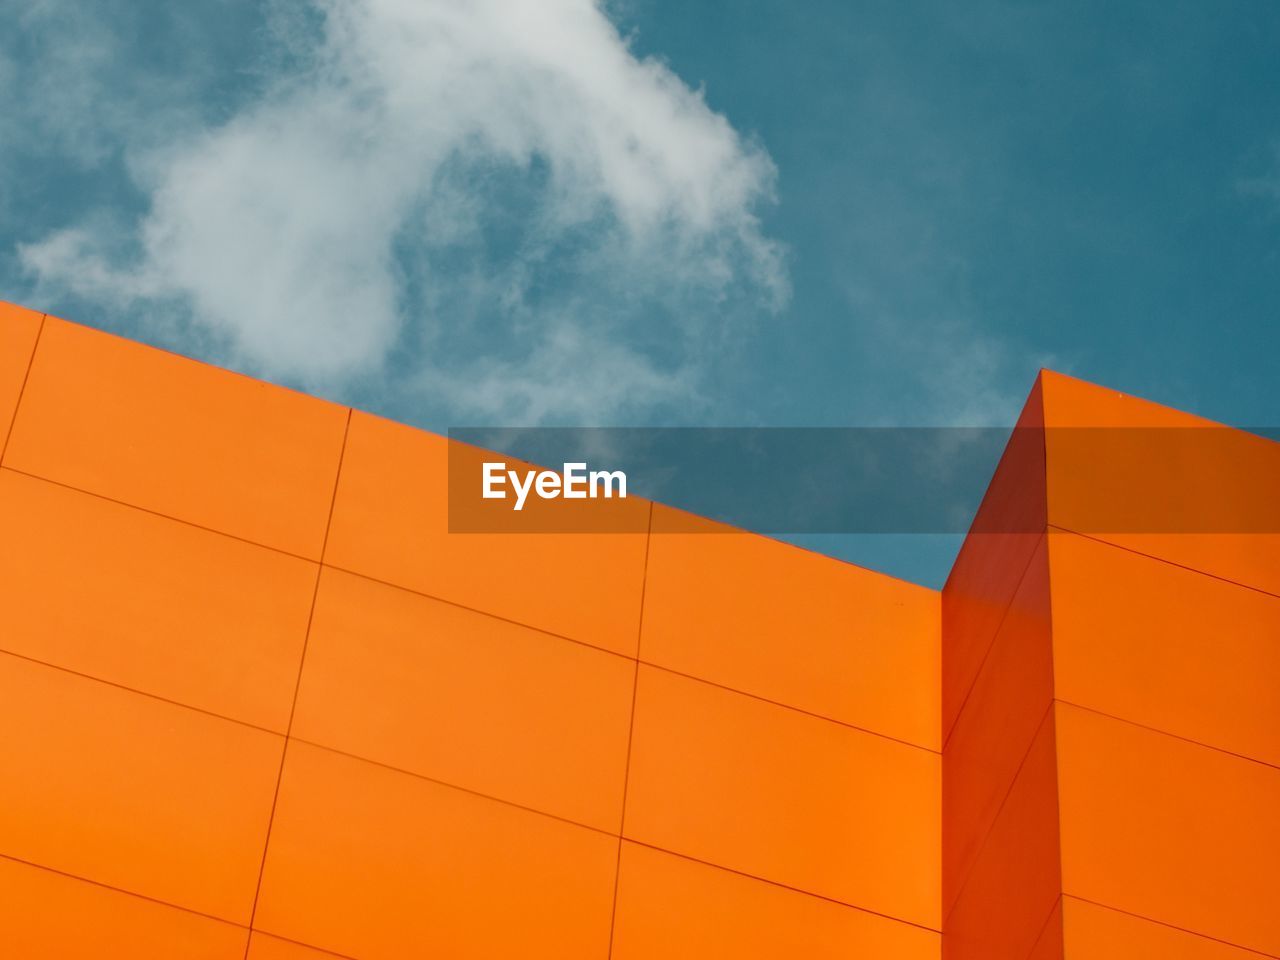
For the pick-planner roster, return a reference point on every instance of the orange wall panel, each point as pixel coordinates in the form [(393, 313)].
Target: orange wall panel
[(132, 792), (391, 522), (1251, 560), (1094, 932), (997, 724), (1050, 944), (679, 909), (380, 865), (1169, 830), (792, 626), (1011, 891), (1166, 647), (19, 329), (467, 699), (171, 435), (149, 603), (263, 946), (785, 796), (1114, 473), (250, 679), (50, 916)]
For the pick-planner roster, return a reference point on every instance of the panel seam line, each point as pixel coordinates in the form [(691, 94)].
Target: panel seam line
[(1172, 563), (22, 390), (1170, 926), (631, 732), (1013, 782), (995, 635), (302, 658)]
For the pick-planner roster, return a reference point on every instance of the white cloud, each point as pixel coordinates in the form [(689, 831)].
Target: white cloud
[(567, 366), (431, 166)]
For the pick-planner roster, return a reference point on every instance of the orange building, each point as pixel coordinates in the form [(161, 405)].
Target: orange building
[(256, 701)]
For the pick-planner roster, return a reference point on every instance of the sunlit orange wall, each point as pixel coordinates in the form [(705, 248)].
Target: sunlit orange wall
[(256, 702), (248, 681)]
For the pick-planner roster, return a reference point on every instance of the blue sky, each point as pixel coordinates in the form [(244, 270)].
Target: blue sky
[(649, 213)]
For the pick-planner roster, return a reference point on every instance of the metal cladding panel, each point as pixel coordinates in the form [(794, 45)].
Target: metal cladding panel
[(259, 703)]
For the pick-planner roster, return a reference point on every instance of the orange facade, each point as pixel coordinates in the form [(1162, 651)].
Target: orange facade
[(257, 701)]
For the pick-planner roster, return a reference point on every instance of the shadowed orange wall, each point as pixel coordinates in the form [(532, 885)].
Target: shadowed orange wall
[(257, 702), (1112, 773)]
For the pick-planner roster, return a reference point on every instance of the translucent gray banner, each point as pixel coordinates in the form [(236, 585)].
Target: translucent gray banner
[(898, 479)]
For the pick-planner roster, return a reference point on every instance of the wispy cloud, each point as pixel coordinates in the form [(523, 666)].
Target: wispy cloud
[(550, 225)]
